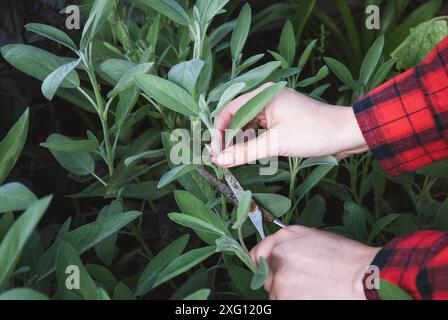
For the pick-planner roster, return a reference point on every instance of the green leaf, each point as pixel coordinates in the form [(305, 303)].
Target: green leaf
[(355, 220), (321, 74), (420, 42), (116, 68), (441, 221), (227, 96), (22, 294), (381, 74), (195, 223), (389, 291), (79, 163), (249, 62), (11, 146), (159, 263), (306, 55), (261, 275), (251, 79), (127, 80), (122, 292), (241, 31), (145, 190), (184, 263), (105, 249), (371, 60), (6, 221), (350, 26), (186, 74), (14, 197), (311, 162), (175, 173), (341, 72), (67, 257), (98, 16), (252, 108), (201, 294), (287, 46), (15, 240), (191, 205), (277, 56), (85, 238), (302, 16), (313, 179), (276, 204), (52, 33), (144, 155), (170, 9), (168, 94), (37, 63), (313, 214), (242, 212), (102, 276), (71, 146), (437, 170), (381, 224), (422, 14)]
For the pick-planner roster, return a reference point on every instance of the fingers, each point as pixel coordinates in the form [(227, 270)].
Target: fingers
[(261, 147), (225, 117)]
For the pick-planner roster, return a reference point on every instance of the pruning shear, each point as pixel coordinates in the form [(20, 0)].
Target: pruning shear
[(256, 215)]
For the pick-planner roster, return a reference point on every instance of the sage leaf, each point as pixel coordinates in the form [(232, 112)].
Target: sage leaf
[(195, 223), (67, 256), (252, 108), (251, 79), (241, 31), (227, 96), (420, 42), (186, 74), (389, 291), (243, 210), (261, 275), (159, 263), (168, 94), (52, 33), (175, 173), (369, 65), (14, 197), (170, 9), (381, 224), (287, 46), (98, 16), (11, 146), (37, 63), (127, 80), (71, 145), (15, 240), (184, 263), (79, 163), (201, 294), (341, 72), (22, 294)]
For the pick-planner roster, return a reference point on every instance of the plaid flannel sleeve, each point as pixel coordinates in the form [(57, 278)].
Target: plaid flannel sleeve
[(417, 263), (405, 121)]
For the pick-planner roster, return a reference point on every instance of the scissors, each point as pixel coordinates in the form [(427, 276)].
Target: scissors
[(256, 215)]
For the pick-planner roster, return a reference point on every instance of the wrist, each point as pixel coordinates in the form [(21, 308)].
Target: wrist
[(351, 139)]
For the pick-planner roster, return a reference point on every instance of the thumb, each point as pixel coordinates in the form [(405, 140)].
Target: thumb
[(264, 146)]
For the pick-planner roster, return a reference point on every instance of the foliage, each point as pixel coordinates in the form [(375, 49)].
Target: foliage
[(136, 73)]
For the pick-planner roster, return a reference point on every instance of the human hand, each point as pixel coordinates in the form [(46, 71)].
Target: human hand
[(297, 126), (308, 264)]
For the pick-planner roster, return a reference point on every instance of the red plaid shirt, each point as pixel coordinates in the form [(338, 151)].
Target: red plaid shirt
[(405, 124)]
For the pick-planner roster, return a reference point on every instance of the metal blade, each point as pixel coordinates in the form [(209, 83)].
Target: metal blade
[(255, 214)]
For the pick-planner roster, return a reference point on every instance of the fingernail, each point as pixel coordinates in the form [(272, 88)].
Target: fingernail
[(224, 159)]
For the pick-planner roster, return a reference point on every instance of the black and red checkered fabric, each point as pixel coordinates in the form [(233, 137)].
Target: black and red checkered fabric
[(405, 124), (405, 121)]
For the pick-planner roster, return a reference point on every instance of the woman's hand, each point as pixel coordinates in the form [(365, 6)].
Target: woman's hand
[(297, 126), (308, 264)]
